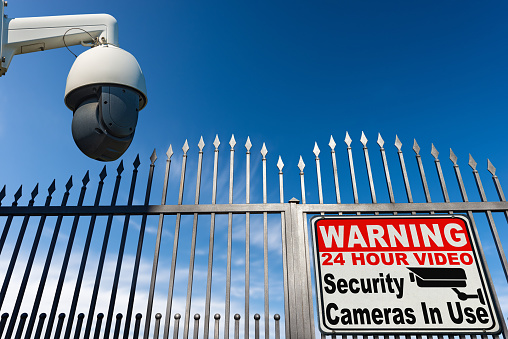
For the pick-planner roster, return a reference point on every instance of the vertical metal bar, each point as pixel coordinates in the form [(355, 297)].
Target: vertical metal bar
[(121, 249), (141, 237), (98, 325), (256, 325), (28, 269), (499, 190), (100, 267), (264, 152), (237, 326), (381, 143), (493, 228), (435, 154), (232, 143), (193, 243), (8, 223), (348, 141), (40, 324), (84, 257), (176, 326), (118, 324), (276, 317), (17, 246), (398, 144), (3, 320), (284, 235), (216, 143), (248, 146), (216, 327), (21, 326), (185, 148), (316, 152), (158, 317), (59, 326), (137, 325), (196, 326), (416, 149), (79, 324), (332, 145), (364, 140)]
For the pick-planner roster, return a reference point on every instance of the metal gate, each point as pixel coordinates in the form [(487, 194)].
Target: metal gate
[(112, 270)]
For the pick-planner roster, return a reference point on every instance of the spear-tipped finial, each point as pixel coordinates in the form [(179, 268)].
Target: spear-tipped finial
[(332, 143), (232, 141), (453, 157), (434, 152), (348, 140), (201, 144), (153, 157), (264, 151), (120, 168), (35, 191), (491, 168), (52, 188), (2, 193), (471, 162), (380, 140), (185, 147), (248, 144), (169, 152), (216, 142), (103, 173), (398, 144), (301, 164), (18, 193), (136, 162), (86, 178), (280, 164), (416, 148), (316, 150), (364, 140), (69, 184)]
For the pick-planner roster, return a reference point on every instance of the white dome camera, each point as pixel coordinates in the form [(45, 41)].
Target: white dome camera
[(105, 90), (105, 87)]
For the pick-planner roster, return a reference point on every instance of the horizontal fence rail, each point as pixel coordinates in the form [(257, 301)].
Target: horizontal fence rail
[(114, 264)]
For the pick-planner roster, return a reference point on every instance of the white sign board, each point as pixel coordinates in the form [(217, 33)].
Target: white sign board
[(402, 274)]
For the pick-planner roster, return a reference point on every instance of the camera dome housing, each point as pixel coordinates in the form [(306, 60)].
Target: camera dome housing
[(105, 90)]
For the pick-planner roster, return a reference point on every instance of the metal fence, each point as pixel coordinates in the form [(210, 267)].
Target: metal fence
[(81, 270)]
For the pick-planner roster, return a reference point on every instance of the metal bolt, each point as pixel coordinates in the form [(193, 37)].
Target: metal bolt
[(5, 3), (3, 59)]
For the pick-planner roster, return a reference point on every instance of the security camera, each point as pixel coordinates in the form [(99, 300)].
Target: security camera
[(105, 87), (105, 90)]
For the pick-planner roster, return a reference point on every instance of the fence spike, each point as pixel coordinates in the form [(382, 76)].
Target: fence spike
[(264, 151), (248, 144), (18, 194), (201, 144), (316, 150), (216, 142), (280, 164), (332, 143), (136, 162), (232, 141), (453, 157), (103, 173), (153, 157), (364, 140), (490, 167), (169, 152), (434, 152), (380, 140), (398, 144), (2, 194), (69, 184), (86, 178), (35, 191), (185, 147), (416, 148), (301, 164), (348, 140), (471, 162), (51, 188), (120, 168)]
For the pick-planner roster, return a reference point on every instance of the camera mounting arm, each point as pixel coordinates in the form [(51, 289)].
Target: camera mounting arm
[(35, 34)]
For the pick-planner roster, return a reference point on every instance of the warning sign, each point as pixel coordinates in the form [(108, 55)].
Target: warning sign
[(400, 275)]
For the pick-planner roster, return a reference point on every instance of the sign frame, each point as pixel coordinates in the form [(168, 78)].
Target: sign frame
[(482, 270)]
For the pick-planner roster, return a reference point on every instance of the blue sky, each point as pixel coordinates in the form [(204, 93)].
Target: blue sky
[(287, 73)]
